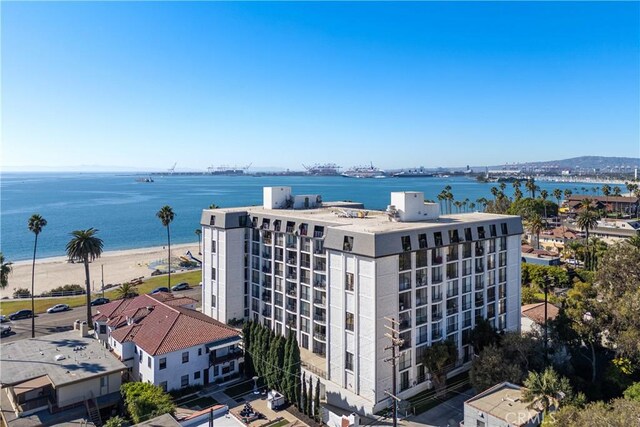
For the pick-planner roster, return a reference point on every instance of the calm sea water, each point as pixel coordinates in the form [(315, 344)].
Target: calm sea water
[(124, 210)]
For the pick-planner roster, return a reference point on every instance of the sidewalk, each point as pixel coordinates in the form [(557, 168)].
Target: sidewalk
[(447, 414)]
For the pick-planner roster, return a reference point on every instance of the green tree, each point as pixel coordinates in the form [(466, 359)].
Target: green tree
[(438, 359), (126, 290), (543, 195), (36, 224), (214, 206), (144, 401), (115, 421), (617, 413), (482, 335), (531, 186), (309, 401), (304, 399), (491, 368), (85, 246), (587, 220), (248, 359), (557, 194), (526, 207), (546, 389), (633, 392), (166, 216), (5, 270), (316, 402), (567, 193), (535, 224)]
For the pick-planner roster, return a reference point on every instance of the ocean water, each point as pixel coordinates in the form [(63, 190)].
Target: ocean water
[(123, 210)]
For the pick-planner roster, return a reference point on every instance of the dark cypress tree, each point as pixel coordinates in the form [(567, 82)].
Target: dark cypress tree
[(280, 383), (305, 398), (287, 375), (316, 401), (248, 361), (294, 363), (308, 410), (257, 353)]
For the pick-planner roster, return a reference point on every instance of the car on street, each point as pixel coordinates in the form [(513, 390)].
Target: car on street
[(100, 301), (5, 330), (160, 289), (21, 314), (58, 308), (180, 287), (3, 318)]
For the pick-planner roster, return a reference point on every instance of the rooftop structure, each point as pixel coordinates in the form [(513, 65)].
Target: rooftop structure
[(331, 272), (53, 372), (501, 406)]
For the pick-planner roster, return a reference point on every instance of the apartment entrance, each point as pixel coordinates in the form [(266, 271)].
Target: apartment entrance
[(205, 375)]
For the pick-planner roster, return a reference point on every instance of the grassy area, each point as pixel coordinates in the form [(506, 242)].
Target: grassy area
[(191, 402), (240, 389), (193, 278), (278, 422)]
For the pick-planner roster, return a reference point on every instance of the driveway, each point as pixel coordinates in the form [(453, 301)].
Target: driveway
[(447, 414)]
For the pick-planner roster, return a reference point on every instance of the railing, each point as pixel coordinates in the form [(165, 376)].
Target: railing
[(436, 316), (319, 318), (314, 370), (320, 336)]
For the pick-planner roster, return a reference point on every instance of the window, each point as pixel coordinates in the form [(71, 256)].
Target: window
[(404, 261), (196, 375), (184, 381), (199, 352), (467, 234), (347, 244), (422, 258), (213, 273), (503, 227), (290, 226), (422, 241), (103, 381), (492, 230), (213, 246), (453, 236), (349, 321), (140, 358), (163, 386), (437, 236), (103, 329), (148, 361), (163, 363), (212, 220), (185, 357), (406, 243), (481, 232), (348, 361), (404, 380), (213, 300), (348, 283)]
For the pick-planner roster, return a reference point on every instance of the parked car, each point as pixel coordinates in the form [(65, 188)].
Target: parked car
[(160, 289), (5, 330), (57, 308), (21, 314), (100, 301), (180, 287), (3, 318)]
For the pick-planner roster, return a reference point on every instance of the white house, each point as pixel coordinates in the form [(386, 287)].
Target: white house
[(501, 406), (164, 343)]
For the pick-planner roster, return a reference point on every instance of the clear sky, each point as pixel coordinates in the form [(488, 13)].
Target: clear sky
[(279, 84)]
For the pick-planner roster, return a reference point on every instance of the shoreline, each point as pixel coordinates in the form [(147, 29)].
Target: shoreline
[(119, 266)]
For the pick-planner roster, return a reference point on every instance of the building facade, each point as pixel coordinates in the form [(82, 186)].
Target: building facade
[(333, 273)]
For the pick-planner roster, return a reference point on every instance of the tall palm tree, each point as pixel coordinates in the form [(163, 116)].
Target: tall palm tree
[(36, 224), (530, 185), (546, 389), (543, 195), (567, 193), (587, 220), (616, 193), (85, 246), (5, 270), (214, 206), (472, 206), (536, 225), (606, 192), (494, 192), (126, 290), (516, 185), (199, 234), (557, 194), (166, 216)]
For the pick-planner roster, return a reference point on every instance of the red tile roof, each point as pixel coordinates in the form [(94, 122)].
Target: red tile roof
[(535, 311), (160, 325)]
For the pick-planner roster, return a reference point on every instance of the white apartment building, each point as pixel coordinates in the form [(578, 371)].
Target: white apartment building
[(163, 342), (332, 272)]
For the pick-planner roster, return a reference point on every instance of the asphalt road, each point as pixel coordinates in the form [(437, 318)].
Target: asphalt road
[(59, 322)]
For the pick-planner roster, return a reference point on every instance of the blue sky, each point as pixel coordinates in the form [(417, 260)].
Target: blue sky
[(279, 84)]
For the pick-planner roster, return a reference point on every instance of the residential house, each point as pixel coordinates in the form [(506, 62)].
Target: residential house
[(501, 406)]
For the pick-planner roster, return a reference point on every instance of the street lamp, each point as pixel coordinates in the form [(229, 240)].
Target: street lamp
[(255, 385)]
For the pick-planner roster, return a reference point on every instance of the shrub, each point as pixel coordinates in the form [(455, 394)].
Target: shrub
[(21, 293), (144, 401)]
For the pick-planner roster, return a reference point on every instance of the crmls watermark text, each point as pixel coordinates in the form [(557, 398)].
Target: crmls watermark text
[(519, 418)]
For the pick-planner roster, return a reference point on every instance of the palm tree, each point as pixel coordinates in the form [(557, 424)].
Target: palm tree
[(536, 225), (36, 224), (557, 194), (517, 194), (494, 192), (567, 193), (5, 270), (546, 389), (214, 206), (199, 234), (85, 246), (166, 216), (472, 206), (587, 220), (616, 193), (606, 191), (530, 185), (126, 290), (543, 195)]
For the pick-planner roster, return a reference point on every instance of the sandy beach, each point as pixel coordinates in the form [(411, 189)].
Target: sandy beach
[(119, 266)]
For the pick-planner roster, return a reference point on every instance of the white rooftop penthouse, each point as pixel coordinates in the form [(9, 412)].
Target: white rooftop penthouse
[(331, 272)]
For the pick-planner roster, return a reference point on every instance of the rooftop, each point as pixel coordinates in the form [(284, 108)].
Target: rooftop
[(157, 325), (535, 311), (64, 358), (504, 401)]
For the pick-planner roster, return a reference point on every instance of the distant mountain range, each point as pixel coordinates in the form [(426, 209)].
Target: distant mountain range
[(582, 162)]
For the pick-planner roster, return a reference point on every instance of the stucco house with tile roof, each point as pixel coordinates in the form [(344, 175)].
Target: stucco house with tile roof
[(163, 341)]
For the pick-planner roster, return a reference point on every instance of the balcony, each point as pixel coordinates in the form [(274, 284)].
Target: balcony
[(436, 297), (322, 318), (320, 284), (320, 336), (320, 266), (320, 301), (266, 313), (435, 316), (231, 355), (266, 269), (266, 297), (291, 307), (292, 261)]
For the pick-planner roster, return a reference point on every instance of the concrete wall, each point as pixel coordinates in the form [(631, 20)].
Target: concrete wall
[(78, 392)]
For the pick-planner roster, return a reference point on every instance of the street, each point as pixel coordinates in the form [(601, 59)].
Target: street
[(59, 322)]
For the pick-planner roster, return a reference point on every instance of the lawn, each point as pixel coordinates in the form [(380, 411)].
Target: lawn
[(41, 304), (201, 402), (238, 390)]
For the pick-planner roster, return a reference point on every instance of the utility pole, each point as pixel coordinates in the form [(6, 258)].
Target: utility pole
[(102, 271), (546, 341), (396, 342)]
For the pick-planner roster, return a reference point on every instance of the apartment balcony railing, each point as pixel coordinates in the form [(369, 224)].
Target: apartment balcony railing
[(421, 319), (319, 336), (436, 297), (291, 307), (232, 355), (436, 316), (266, 269), (320, 284), (320, 317), (320, 301)]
